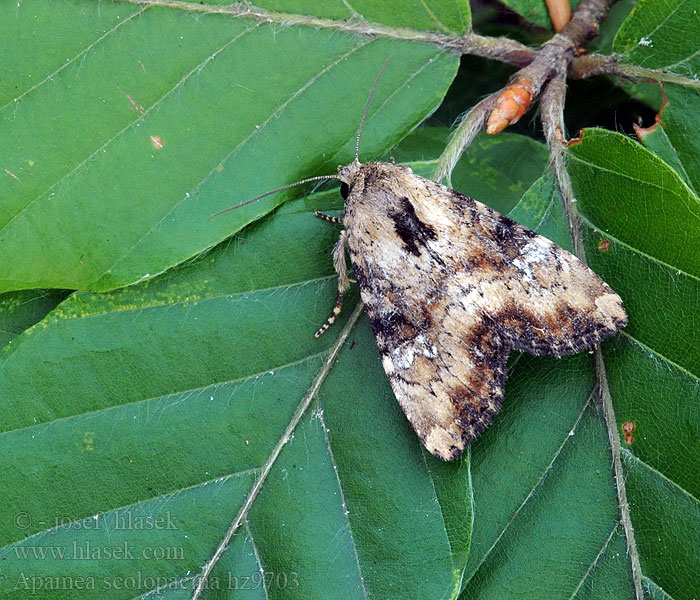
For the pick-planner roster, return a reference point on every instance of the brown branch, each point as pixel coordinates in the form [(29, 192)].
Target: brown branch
[(552, 59), (562, 48), (506, 106), (597, 64), (498, 48)]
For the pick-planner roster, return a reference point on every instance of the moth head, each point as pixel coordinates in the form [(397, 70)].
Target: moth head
[(348, 175)]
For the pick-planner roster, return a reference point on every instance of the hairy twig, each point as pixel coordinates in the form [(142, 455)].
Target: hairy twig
[(552, 104), (597, 64), (470, 125), (552, 112), (549, 71), (497, 48)]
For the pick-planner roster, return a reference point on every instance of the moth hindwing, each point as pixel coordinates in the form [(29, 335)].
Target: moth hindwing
[(450, 286)]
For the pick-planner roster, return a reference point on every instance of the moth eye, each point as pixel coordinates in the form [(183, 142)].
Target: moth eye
[(344, 190)]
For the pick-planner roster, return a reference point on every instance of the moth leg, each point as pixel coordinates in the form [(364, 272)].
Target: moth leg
[(329, 218), (343, 280)]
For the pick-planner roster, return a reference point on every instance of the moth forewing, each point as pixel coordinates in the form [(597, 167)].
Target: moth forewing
[(450, 287)]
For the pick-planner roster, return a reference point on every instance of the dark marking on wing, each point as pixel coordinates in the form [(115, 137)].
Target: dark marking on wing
[(393, 327), (412, 231)]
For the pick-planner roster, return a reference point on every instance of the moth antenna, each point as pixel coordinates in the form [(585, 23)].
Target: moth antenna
[(279, 189), (369, 101)]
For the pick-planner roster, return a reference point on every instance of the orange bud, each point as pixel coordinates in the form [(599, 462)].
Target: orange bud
[(510, 106), (559, 12)]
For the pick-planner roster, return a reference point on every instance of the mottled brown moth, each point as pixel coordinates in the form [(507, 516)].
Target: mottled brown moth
[(450, 287)]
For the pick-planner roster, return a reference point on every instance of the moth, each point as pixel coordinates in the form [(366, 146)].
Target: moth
[(450, 287)]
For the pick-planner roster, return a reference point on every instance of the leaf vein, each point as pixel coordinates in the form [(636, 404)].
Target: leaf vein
[(190, 391), (637, 250), (70, 61), (654, 471), (535, 487)]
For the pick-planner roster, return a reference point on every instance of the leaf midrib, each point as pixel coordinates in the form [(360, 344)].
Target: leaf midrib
[(72, 60)]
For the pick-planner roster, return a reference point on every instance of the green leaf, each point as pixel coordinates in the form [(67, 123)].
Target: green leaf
[(545, 517), (430, 15), (541, 210), (126, 137), (659, 35), (649, 221), (213, 358), (20, 310), (619, 11), (656, 139)]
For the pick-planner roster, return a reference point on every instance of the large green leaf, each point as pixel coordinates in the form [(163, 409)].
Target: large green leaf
[(136, 421), (123, 138), (212, 359), (650, 223)]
